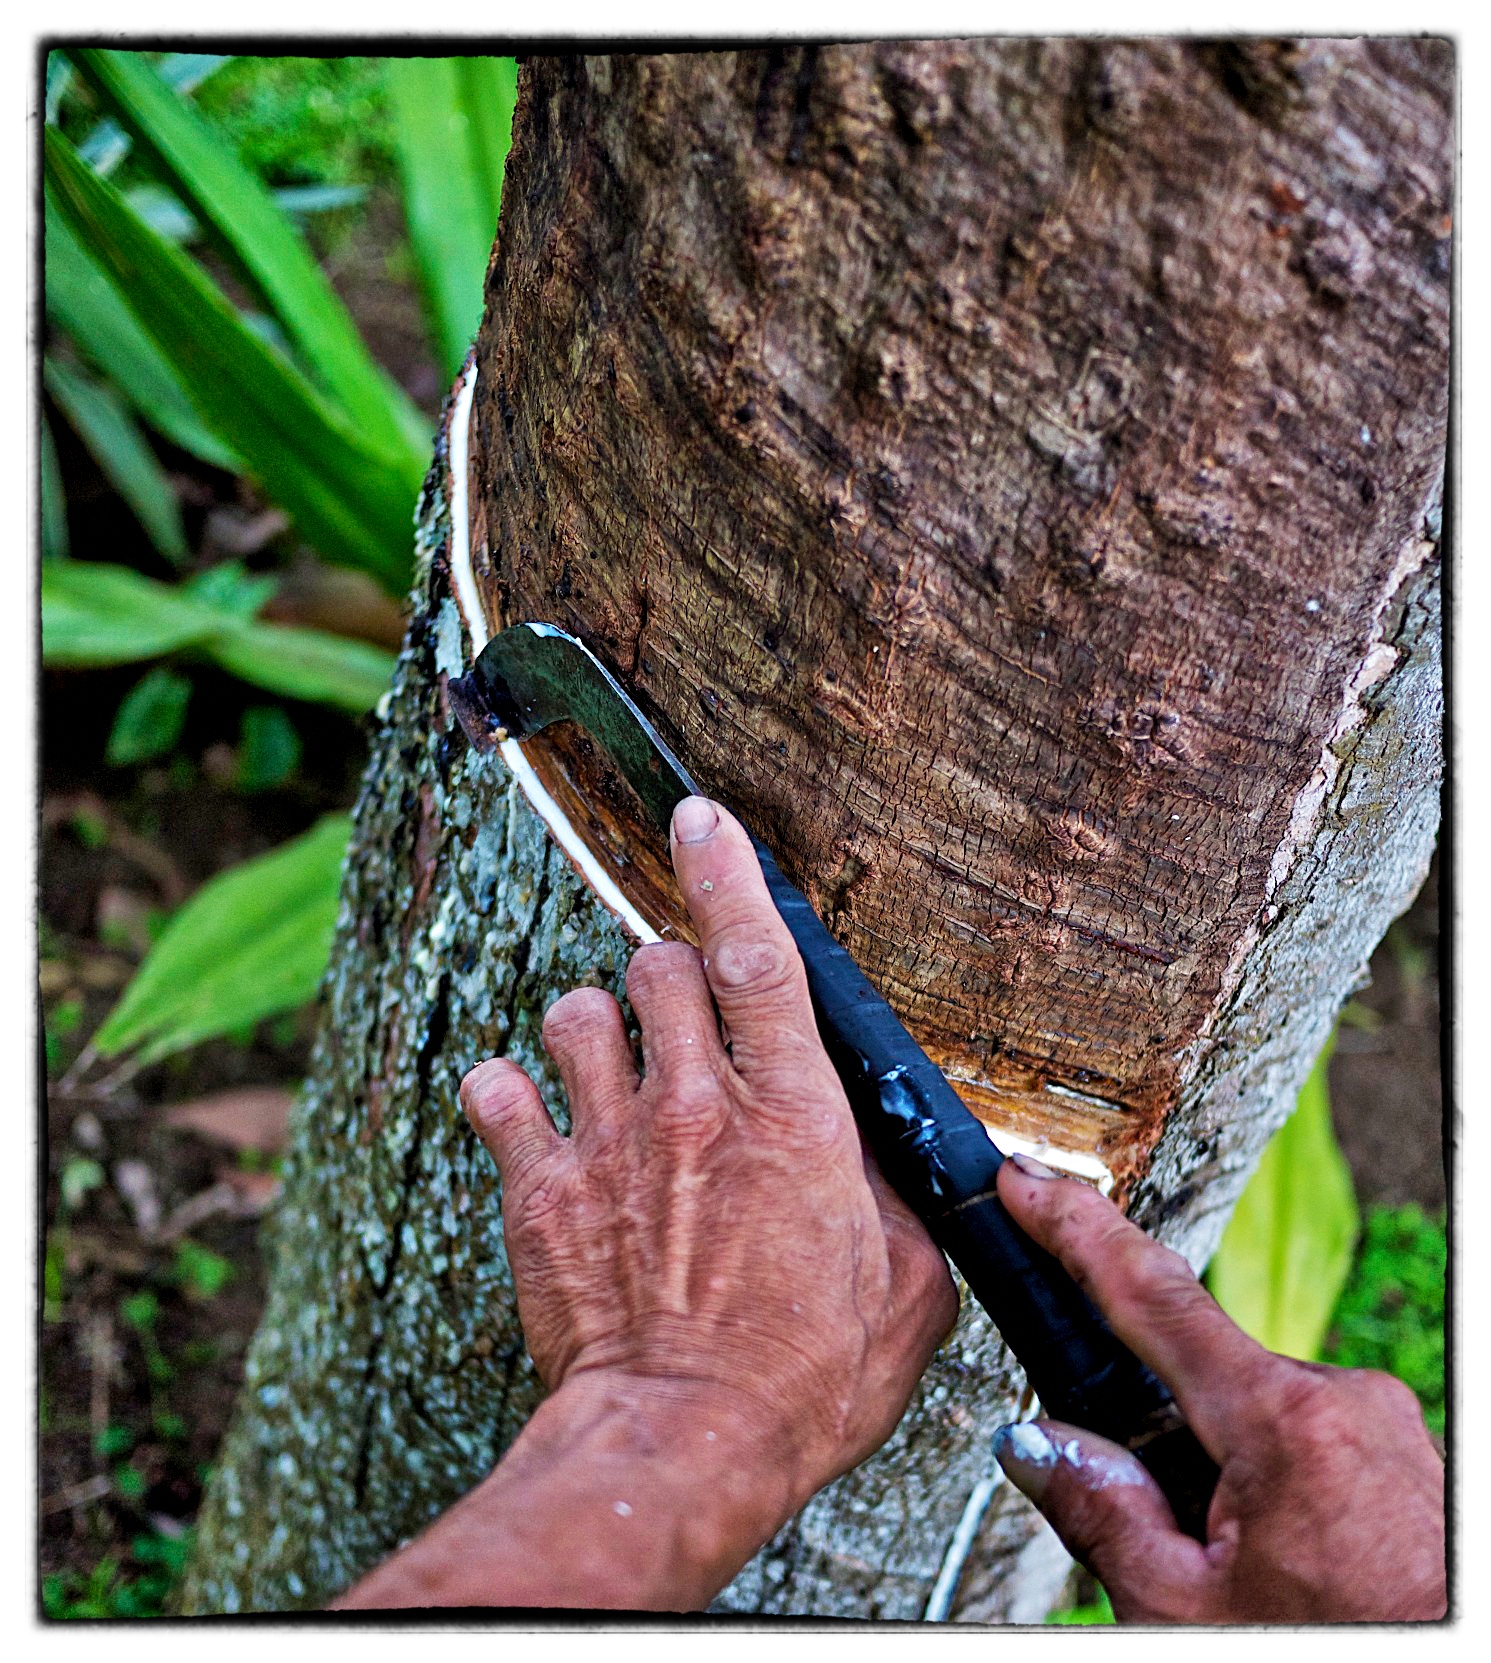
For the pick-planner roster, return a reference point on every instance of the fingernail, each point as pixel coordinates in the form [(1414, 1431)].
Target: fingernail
[(1028, 1457), (1031, 1454), (1031, 1167), (694, 820)]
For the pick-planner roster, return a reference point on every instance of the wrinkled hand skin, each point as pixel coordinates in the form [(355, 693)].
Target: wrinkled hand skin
[(712, 1233), (1330, 1505)]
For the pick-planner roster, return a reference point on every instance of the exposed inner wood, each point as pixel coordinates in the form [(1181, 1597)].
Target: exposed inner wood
[(603, 810)]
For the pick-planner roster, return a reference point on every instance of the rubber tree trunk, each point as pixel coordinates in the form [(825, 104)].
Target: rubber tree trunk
[(1011, 472)]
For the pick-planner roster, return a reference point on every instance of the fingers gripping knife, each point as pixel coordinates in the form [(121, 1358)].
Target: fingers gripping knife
[(931, 1148)]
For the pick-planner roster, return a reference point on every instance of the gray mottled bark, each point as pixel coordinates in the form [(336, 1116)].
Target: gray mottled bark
[(1220, 683)]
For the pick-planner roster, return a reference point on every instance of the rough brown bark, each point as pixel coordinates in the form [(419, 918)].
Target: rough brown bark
[(1010, 472), (992, 462)]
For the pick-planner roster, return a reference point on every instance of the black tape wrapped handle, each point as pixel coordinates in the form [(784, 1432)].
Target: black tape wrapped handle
[(938, 1158)]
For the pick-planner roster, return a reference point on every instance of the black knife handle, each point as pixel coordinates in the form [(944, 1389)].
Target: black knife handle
[(939, 1159)]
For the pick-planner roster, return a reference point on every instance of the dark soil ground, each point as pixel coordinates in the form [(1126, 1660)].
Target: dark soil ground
[(153, 1281), (1385, 1076)]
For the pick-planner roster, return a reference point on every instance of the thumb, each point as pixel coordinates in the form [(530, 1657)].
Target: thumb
[(1109, 1513)]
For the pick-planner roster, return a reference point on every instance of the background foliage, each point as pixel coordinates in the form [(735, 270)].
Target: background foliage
[(1287, 1249), (249, 327), (279, 387)]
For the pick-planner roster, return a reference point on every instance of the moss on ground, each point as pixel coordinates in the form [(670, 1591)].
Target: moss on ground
[(1391, 1313)]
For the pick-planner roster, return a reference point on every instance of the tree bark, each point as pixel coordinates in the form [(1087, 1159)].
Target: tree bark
[(1011, 474)]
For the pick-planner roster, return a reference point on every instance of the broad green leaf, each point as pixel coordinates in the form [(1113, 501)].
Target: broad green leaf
[(226, 197), (1287, 1249), (489, 95), (353, 501), (93, 613), (53, 502), (98, 416), (201, 1271), (150, 718), (452, 129), (307, 664), (84, 301), (1391, 1314), (268, 748), (1099, 1612), (251, 943), (229, 588)]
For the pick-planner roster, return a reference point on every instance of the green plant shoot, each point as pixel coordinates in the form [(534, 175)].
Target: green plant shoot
[(1287, 1249)]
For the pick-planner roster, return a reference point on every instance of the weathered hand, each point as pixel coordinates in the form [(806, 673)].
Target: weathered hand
[(1330, 1506), (711, 1239)]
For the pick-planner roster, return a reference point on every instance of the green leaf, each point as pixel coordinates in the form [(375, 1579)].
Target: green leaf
[(83, 300), (89, 829), (98, 614), (1287, 1249), (52, 1273), (268, 748), (140, 1310), (170, 1552), (1100, 1611), (452, 129), (307, 664), (489, 88), (94, 614), (61, 1020), (79, 1175), (201, 1271), (1391, 1314), (150, 717), (229, 588), (354, 501), (53, 502), (65, 1016), (114, 1439), (130, 1482), (99, 418), (108, 144), (229, 199), (249, 944)]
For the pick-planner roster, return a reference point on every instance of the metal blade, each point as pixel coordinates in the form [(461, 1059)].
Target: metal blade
[(533, 675)]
